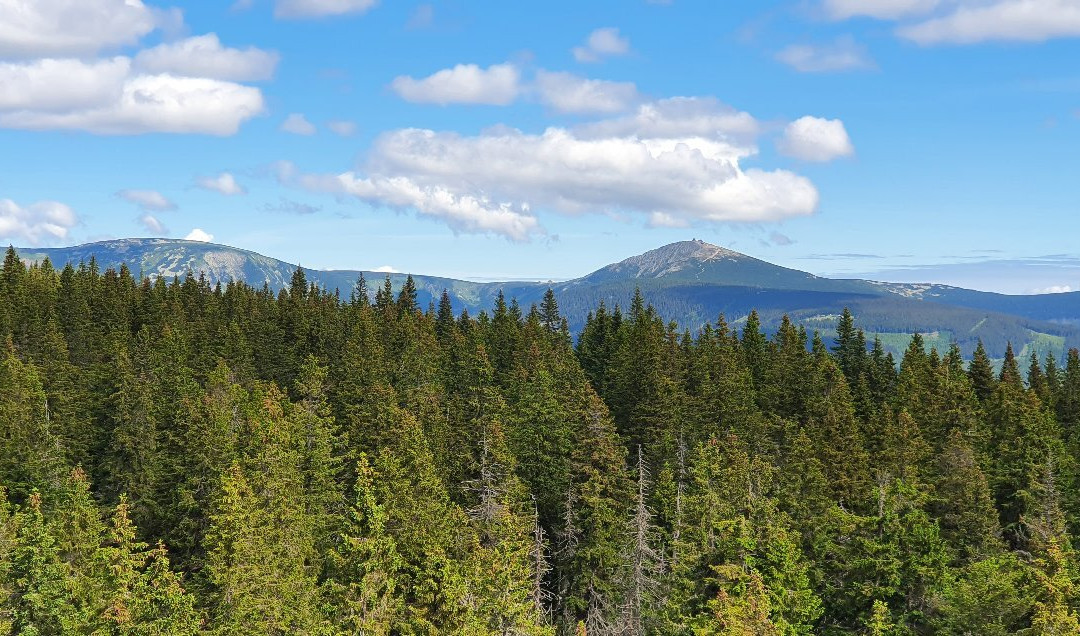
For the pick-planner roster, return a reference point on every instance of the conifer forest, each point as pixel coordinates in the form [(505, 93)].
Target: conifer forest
[(180, 459)]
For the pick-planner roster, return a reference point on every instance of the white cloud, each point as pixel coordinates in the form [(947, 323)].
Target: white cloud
[(463, 84), (675, 162), (297, 124), (140, 104), (342, 128), (1054, 289), (602, 43), (172, 88), (930, 22), (842, 55), (1007, 20), (678, 117), (665, 219), (45, 28), (39, 223), (153, 225), (52, 85), (199, 235), (224, 183), (147, 200), (469, 213), (385, 269), (204, 56), (881, 9), (321, 8), (816, 139), (569, 93), (502, 84)]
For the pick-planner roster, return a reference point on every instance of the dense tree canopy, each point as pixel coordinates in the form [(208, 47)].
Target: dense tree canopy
[(181, 459)]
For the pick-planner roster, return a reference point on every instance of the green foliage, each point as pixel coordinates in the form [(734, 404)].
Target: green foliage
[(647, 480)]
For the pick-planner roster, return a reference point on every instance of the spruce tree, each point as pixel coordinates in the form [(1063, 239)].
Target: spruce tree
[(981, 372), (595, 525), (850, 347), (262, 538), (40, 602), (1010, 369), (362, 588), (30, 454)]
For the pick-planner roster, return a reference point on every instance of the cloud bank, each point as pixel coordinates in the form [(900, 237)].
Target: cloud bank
[(50, 79), (674, 162)]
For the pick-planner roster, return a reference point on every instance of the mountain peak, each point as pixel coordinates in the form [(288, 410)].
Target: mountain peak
[(695, 249), (672, 258)]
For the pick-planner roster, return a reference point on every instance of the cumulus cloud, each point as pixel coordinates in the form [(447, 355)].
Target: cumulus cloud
[(674, 163), (224, 183), (1005, 20), (149, 200), (842, 55), (50, 78), (385, 269), (931, 22), (321, 8), (107, 97), (49, 28), (52, 85), (683, 117), (153, 225), (41, 223), (815, 139), (200, 235), (462, 212), (204, 56), (498, 85), (569, 93), (602, 43), (297, 124), (342, 128), (503, 84)]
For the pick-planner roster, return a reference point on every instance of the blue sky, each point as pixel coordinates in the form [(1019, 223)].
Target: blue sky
[(915, 140)]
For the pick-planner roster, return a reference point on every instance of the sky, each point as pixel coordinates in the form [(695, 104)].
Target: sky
[(906, 140)]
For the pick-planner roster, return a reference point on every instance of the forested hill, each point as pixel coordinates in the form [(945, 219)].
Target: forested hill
[(177, 459), (691, 282)]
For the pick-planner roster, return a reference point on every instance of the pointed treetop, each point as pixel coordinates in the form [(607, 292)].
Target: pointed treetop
[(981, 372), (1010, 370)]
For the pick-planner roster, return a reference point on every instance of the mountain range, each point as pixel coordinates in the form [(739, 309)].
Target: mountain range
[(691, 282)]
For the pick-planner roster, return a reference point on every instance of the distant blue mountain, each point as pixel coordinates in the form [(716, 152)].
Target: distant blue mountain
[(691, 282)]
